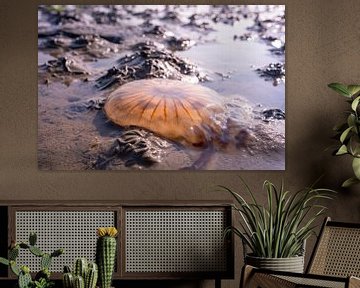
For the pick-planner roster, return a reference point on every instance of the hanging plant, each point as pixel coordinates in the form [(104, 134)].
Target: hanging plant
[(348, 132)]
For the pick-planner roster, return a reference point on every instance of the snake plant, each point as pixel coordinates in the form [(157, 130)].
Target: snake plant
[(279, 228)]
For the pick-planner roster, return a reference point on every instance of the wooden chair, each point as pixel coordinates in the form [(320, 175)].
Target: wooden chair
[(334, 263)]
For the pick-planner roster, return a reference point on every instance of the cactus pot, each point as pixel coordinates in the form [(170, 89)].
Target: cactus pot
[(291, 264)]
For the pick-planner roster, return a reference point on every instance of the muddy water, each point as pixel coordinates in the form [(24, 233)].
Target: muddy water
[(238, 60), (74, 135)]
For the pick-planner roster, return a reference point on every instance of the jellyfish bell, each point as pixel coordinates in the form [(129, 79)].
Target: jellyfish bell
[(173, 109)]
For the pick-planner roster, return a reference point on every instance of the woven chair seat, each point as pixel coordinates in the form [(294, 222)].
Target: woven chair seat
[(314, 282), (335, 262)]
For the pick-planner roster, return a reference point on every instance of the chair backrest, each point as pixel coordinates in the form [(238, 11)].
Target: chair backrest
[(337, 251)]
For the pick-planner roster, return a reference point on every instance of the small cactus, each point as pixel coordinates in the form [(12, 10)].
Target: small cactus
[(80, 268), (106, 254), (79, 282), (24, 246), (13, 253), (57, 252), (90, 272), (67, 269), (25, 269), (24, 278), (91, 276), (44, 273), (32, 239), (45, 261), (68, 280), (36, 251)]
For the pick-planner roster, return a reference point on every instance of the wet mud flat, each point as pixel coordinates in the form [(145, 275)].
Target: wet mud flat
[(86, 52)]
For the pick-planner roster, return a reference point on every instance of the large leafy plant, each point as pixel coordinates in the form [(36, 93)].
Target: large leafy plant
[(279, 229), (348, 132)]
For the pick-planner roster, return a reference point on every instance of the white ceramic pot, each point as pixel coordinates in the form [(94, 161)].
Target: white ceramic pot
[(291, 264)]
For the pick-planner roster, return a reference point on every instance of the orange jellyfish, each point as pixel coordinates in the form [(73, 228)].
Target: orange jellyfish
[(173, 109)]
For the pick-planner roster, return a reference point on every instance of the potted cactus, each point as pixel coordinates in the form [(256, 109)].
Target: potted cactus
[(42, 278), (84, 275), (106, 254)]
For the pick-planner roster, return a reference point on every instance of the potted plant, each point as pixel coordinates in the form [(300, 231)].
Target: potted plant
[(87, 274), (84, 274), (42, 278), (106, 254), (348, 132), (276, 233)]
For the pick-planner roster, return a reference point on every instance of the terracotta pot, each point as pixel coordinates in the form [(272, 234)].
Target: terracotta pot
[(291, 264)]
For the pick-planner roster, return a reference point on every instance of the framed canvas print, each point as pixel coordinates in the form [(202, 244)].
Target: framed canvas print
[(161, 87)]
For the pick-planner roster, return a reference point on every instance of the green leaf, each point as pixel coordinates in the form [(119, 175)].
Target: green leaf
[(57, 252), (356, 167), (36, 251), (353, 89), (342, 150), (45, 261), (345, 134), (23, 245), (355, 103), (32, 238), (4, 261), (354, 145), (349, 182), (14, 268), (340, 88), (351, 120), (13, 253)]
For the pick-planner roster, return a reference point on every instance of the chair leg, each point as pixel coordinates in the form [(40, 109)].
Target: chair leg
[(246, 274), (217, 282)]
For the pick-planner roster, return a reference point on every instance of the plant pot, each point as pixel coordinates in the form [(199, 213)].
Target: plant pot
[(291, 264)]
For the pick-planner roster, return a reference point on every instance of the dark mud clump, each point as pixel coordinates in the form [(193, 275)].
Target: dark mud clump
[(134, 147), (109, 15), (273, 114), (68, 29), (150, 62), (92, 46), (65, 65), (65, 69), (179, 44), (60, 14), (95, 103), (274, 72)]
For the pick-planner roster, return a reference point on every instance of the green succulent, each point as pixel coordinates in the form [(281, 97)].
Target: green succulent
[(43, 283)]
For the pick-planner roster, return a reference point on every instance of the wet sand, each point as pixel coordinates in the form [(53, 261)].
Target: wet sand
[(74, 133)]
